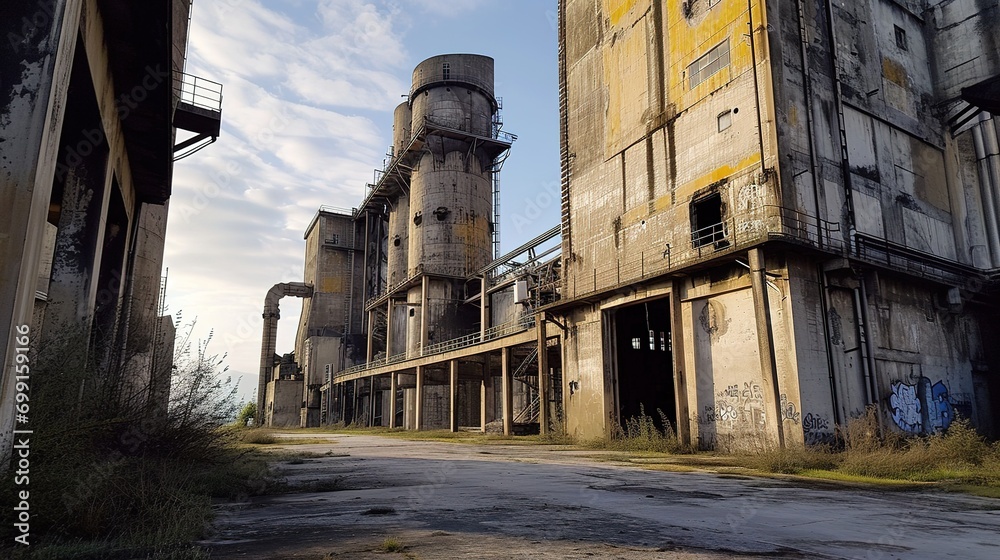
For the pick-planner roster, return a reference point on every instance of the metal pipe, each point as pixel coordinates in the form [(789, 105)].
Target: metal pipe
[(825, 307), (756, 88), (986, 193), (807, 90), (845, 164), (861, 304)]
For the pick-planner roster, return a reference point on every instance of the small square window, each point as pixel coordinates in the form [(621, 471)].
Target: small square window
[(725, 120), (901, 38), (636, 343)]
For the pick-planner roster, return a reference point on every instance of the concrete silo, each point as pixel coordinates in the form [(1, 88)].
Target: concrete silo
[(450, 206), (399, 210)]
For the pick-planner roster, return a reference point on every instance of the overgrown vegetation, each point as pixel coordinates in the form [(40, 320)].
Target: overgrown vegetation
[(641, 433), (119, 470), (247, 414), (958, 458)]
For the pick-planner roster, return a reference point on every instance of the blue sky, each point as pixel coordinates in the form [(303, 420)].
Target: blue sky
[(309, 90)]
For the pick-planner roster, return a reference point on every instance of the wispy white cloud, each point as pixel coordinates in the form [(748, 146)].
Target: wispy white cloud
[(292, 140)]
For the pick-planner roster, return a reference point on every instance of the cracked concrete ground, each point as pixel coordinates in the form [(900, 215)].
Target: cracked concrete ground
[(448, 500)]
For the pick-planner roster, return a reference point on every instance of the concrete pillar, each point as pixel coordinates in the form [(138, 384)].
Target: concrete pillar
[(78, 251), (355, 410), (388, 328), (393, 388), (371, 402), (677, 353), (419, 422), (486, 396), (453, 385), (765, 336), (508, 391), (484, 309), (371, 337), (424, 311), (543, 377)]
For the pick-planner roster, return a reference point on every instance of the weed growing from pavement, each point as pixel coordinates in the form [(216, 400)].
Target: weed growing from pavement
[(391, 544)]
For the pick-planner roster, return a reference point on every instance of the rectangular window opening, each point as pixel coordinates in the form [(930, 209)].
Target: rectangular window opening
[(707, 226), (711, 62), (901, 38), (724, 120)]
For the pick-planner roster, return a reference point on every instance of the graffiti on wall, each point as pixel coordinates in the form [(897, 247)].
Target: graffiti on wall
[(737, 405), (788, 410), (816, 430), (921, 407)]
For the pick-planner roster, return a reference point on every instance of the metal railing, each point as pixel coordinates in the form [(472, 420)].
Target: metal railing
[(891, 255), (769, 222), (528, 360), (352, 212), (714, 235), (500, 331), (528, 414), (199, 92), (441, 77)]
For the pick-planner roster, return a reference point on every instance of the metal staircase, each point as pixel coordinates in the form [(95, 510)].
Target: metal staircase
[(528, 375)]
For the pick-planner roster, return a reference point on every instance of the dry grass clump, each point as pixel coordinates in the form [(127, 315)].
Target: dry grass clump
[(641, 433), (258, 436), (392, 544)]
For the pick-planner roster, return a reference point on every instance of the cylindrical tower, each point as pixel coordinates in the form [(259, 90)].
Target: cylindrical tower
[(399, 211), (401, 119), (450, 202), (456, 91), (450, 188)]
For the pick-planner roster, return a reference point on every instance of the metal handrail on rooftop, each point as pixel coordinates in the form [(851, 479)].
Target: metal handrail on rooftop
[(441, 77), (338, 210), (199, 92)]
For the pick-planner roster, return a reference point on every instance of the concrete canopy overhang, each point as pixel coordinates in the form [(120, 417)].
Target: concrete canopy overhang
[(139, 42), (985, 95)]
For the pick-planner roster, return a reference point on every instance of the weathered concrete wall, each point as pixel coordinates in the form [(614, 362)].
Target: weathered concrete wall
[(587, 388), (650, 134), (284, 399), (636, 166), (61, 64), (924, 356)]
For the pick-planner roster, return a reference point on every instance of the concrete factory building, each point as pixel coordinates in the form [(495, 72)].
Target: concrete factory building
[(774, 215), (93, 96)]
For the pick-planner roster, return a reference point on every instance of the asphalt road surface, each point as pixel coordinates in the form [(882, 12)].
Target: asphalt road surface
[(448, 500)]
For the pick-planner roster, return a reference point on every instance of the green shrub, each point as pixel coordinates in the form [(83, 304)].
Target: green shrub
[(247, 414)]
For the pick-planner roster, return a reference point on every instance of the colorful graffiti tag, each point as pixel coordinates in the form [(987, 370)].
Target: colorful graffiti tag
[(922, 407)]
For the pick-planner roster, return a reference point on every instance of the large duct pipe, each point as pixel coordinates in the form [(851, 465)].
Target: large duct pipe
[(985, 141), (269, 336)]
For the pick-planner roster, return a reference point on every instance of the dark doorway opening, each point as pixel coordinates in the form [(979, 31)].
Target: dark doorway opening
[(644, 361)]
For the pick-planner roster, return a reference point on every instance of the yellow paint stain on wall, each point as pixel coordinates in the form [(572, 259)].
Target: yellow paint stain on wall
[(616, 9), (895, 73), (687, 40), (719, 173), (332, 284), (626, 76), (683, 192)]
